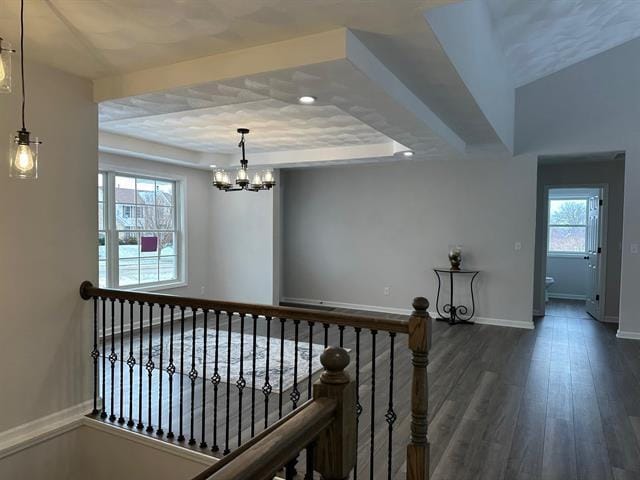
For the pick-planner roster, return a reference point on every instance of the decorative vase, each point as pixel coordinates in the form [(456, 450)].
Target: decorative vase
[(455, 258)]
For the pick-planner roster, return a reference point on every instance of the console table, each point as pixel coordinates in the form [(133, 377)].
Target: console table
[(451, 313)]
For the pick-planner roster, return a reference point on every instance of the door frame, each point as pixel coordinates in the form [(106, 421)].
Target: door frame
[(604, 220)]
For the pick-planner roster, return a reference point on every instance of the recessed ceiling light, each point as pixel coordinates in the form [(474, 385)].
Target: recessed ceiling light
[(307, 99), (408, 153), (212, 166)]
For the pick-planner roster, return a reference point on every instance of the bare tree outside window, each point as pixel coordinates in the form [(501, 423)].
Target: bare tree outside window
[(567, 225)]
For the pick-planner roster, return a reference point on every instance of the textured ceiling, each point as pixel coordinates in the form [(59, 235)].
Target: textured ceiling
[(543, 36), (274, 125), (98, 38), (350, 110)]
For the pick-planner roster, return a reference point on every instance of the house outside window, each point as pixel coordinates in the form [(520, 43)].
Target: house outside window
[(567, 233), (140, 231)]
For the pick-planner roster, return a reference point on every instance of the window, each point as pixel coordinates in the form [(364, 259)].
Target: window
[(102, 234), (139, 231), (567, 225)]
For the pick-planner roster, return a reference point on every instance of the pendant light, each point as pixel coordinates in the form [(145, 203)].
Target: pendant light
[(5, 66), (23, 152)]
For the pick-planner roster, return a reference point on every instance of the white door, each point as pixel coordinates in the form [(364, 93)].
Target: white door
[(593, 257)]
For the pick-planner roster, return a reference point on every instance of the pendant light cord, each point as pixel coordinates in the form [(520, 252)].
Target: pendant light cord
[(22, 58)]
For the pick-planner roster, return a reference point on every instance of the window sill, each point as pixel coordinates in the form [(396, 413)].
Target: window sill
[(157, 286), (579, 256)]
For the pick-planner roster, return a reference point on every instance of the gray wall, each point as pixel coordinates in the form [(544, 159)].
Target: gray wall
[(349, 232), (570, 276), (585, 173), (48, 246), (243, 256), (101, 453)]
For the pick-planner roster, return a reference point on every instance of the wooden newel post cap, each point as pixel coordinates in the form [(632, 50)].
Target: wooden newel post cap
[(334, 360), (420, 304), (84, 286)]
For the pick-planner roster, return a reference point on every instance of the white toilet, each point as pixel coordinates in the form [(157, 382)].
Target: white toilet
[(548, 281)]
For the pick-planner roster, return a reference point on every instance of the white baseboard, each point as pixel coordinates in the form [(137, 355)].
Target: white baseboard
[(403, 311), (349, 306), (566, 296), (31, 433), (611, 319), (628, 335), (500, 322)]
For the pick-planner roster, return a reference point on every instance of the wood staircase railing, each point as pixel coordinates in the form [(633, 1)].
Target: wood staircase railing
[(328, 422), (138, 335)]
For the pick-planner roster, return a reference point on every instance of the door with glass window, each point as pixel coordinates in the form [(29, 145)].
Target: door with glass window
[(593, 257)]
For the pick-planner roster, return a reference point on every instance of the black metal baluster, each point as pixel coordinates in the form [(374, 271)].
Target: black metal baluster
[(266, 388), (373, 402), (295, 393), (310, 466), (226, 426), (140, 425), (241, 383), (159, 430), (326, 334), (193, 376), (203, 443), (290, 469), (358, 404), (181, 408), (341, 328), (171, 370), (390, 416), (215, 379), (150, 366), (282, 320), (95, 354), (309, 381), (103, 412), (131, 363), (121, 419), (253, 378), (112, 360)]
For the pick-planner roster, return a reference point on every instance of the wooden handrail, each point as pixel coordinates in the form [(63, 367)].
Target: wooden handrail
[(88, 291), (261, 460)]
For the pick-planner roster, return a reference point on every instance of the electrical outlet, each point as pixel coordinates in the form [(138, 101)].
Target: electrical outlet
[(518, 246), (634, 248), (387, 291), (202, 290)]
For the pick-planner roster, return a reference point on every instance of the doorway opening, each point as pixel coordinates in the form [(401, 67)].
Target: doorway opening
[(578, 251), (575, 257)]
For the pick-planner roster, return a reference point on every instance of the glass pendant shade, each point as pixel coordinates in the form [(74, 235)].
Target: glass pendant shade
[(242, 178), (218, 178), (5, 66), (268, 179), (23, 156), (257, 181)]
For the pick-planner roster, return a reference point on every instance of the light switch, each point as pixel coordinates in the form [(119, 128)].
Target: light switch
[(634, 248), (518, 246)]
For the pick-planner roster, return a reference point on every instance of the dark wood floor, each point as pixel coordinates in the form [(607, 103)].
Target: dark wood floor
[(558, 402)]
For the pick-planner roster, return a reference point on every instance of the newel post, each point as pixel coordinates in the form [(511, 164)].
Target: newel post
[(419, 342), (335, 451)]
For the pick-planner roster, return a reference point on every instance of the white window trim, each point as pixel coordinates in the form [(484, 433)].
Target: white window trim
[(110, 172), (563, 254)]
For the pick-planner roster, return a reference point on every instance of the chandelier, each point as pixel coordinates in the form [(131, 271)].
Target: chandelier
[(221, 179)]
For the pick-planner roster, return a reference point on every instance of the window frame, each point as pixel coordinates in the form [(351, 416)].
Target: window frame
[(560, 253), (111, 230)]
